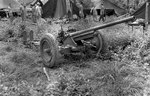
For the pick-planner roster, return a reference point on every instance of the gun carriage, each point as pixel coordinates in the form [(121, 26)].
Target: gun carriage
[(79, 41)]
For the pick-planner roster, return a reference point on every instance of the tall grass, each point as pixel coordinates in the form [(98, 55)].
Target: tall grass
[(125, 75)]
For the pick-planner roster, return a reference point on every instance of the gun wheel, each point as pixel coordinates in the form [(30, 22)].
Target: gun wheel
[(48, 50), (97, 41)]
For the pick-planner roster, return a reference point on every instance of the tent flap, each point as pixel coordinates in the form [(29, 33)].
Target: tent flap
[(49, 8), (60, 9)]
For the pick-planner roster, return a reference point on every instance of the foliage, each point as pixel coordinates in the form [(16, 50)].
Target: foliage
[(126, 74), (113, 79)]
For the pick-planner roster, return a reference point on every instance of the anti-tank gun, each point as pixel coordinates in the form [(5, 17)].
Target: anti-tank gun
[(80, 41)]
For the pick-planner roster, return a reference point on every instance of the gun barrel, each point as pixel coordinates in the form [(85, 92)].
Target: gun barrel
[(103, 26)]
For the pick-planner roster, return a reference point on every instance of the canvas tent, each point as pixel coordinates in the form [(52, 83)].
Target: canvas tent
[(60, 8), (57, 8), (140, 13), (44, 1), (49, 8), (109, 5)]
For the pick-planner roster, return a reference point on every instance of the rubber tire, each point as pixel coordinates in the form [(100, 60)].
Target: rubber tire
[(100, 43), (104, 44), (103, 48), (50, 39)]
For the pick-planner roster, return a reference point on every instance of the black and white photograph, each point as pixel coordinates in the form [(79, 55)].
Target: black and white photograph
[(74, 48)]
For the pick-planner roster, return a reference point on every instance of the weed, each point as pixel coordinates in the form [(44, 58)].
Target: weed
[(124, 75), (2, 53), (21, 58), (8, 49)]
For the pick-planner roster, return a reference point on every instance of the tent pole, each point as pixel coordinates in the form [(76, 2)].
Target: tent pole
[(146, 15)]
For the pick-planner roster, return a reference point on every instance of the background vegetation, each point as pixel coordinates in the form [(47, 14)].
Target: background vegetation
[(119, 72), (122, 71)]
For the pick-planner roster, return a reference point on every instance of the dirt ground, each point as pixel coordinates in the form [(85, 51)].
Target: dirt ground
[(22, 74)]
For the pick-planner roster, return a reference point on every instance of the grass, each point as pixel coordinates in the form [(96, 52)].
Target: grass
[(126, 74)]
